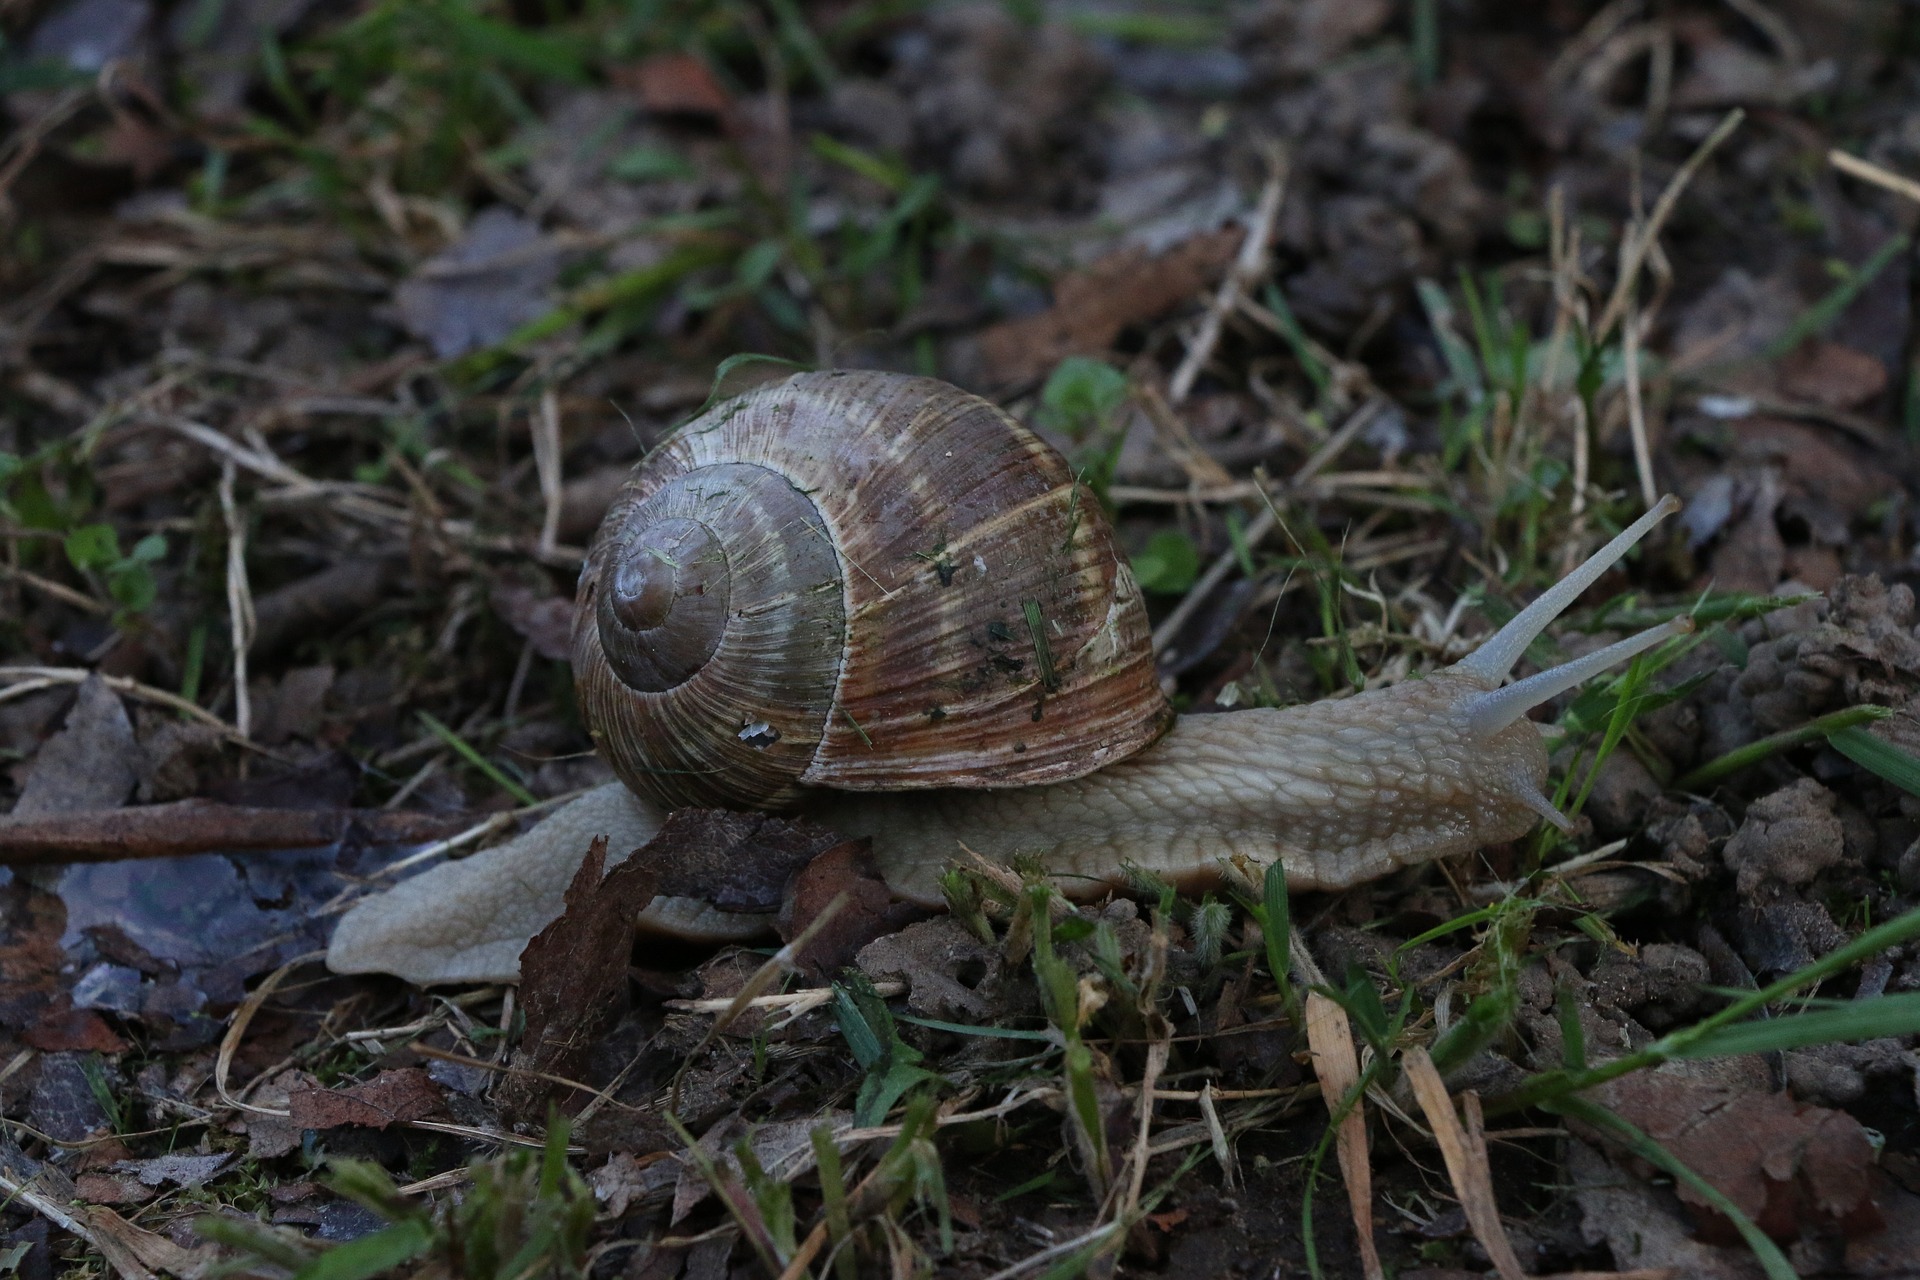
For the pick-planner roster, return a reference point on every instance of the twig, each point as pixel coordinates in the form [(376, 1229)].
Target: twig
[(1262, 524), (58, 590), (1636, 411), (1638, 241), (793, 1001), (1247, 268), (189, 827), (31, 679), (1867, 171), (239, 600), (545, 427)]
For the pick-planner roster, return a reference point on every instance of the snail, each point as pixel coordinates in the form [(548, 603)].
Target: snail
[(880, 600)]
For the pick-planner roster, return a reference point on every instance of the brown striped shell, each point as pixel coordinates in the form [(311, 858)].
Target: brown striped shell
[(858, 580)]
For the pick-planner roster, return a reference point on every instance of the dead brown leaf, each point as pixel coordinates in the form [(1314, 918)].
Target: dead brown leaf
[(735, 861), (392, 1097), (871, 910), (1827, 373), (941, 963), (269, 1136), (676, 84), (1786, 1165), (546, 620), (1091, 307), (88, 765), (573, 975), (73, 1029)]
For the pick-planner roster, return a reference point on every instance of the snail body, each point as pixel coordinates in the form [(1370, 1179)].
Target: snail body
[(881, 601)]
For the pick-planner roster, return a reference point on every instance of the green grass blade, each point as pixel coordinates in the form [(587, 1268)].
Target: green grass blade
[(1766, 1251), (1832, 727), (1898, 766), (466, 751), (1894, 1015), (371, 1254)]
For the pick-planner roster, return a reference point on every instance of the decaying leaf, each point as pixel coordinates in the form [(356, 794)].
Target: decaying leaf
[(1091, 307), (871, 910), (392, 1097), (1788, 1166), (734, 861), (940, 961), (573, 975)]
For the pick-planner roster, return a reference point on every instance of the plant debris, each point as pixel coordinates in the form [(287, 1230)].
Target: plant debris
[(330, 332)]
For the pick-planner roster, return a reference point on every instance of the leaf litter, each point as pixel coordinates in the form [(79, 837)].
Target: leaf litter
[(430, 307)]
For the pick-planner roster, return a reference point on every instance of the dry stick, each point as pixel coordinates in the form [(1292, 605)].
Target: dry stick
[(58, 590), (32, 679), (239, 600), (1248, 267), (1867, 171), (1636, 411), (546, 461), (1466, 1159), (1262, 524), (195, 826), (1639, 241)]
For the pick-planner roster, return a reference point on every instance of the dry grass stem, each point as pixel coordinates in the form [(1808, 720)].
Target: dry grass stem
[(239, 600), (1639, 240), (1262, 524), (1868, 171), (1330, 1037), (1247, 268), (1465, 1152)]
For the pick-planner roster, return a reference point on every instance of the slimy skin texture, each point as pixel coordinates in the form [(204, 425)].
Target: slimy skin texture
[(1340, 792)]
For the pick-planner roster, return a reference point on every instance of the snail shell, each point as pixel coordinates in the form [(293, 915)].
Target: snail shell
[(864, 581)]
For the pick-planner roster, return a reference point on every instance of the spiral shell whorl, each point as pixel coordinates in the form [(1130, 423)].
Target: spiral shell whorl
[(863, 581)]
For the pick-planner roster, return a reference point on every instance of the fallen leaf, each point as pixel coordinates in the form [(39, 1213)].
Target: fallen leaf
[(106, 1188), (676, 84), (63, 1103), (735, 861), (626, 1179), (573, 976), (88, 765), (1092, 306), (392, 1097), (547, 620), (74, 1029), (1786, 1165), (871, 910), (940, 961), (181, 1170), (480, 290), (1833, 375), (269, 1136)]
